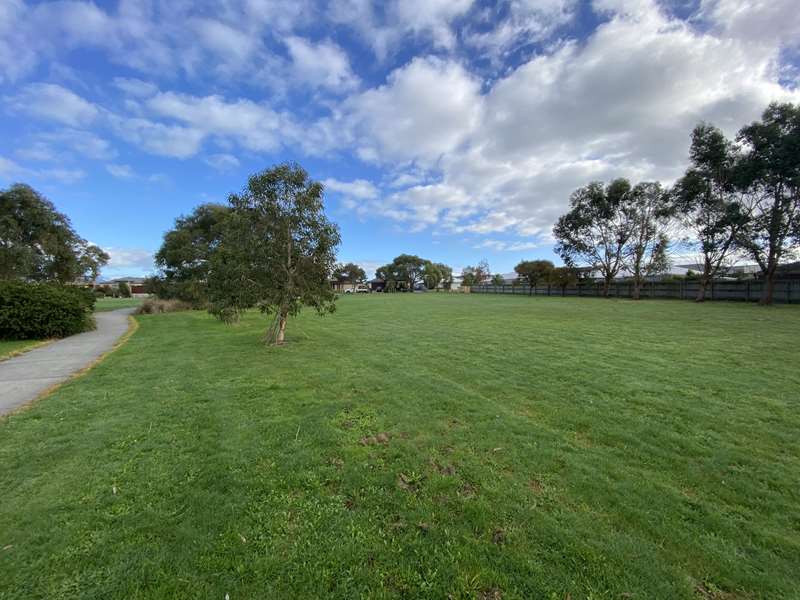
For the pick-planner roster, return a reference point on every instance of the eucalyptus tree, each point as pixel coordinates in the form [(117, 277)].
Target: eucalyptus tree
[(597, 228), (277, 251), (769, 173), (707, 203)]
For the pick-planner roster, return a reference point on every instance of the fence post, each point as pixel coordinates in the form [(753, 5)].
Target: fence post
[(712, 289), (747, 292), (548, 289), (788, 291), (682, 284)]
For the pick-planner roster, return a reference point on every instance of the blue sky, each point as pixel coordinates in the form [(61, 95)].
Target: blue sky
[(452, 129)]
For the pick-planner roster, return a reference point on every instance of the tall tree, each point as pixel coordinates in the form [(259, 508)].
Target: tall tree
[(770, 172), (596, 229), (534, 271), (707, 203), (497, 279), (349, 273), (38, 243), (185, 253), (563, 277), (277, 251), (650, 216)]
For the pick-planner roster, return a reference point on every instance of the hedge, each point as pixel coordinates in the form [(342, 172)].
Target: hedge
[(43, 310)]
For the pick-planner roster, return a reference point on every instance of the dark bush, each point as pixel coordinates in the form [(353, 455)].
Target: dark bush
[(44, 310)]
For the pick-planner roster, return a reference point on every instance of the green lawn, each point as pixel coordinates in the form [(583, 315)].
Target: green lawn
[(9, 348), (419, 446), (104, 304)]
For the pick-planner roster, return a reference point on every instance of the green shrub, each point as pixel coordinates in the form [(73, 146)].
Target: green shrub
[(44, 310), (152, 307), (124, 290)]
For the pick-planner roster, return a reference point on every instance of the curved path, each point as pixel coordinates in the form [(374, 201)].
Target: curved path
[(25, 377)]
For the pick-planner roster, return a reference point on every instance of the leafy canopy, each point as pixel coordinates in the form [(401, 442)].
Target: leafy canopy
[(277, 251), (38, 243)]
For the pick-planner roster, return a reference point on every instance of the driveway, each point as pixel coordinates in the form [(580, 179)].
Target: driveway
[(23, 378)]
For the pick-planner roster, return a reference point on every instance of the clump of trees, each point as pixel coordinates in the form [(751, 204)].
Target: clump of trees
[(349, 273), (38, 243), (408, 271), (271, 247), (184, 257), (737, 197), (480, 273)]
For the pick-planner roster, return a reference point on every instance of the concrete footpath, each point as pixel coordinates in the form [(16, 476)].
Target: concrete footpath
[(23, 378)]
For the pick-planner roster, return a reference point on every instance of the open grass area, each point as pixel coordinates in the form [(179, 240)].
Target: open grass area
[(9, 348), (104, 304), (419, 446)]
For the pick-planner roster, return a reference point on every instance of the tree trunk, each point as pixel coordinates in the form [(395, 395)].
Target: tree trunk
[(606, 286), (637, 289), (279, 338), (769, 286), (701, 292)]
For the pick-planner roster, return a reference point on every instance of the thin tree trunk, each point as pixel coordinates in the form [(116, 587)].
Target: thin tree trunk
[(701, 292), (637, 289), (606, 286), (279, 338), (769, 286)]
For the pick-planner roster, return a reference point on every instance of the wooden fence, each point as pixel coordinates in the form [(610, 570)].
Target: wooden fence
[(786, 290)]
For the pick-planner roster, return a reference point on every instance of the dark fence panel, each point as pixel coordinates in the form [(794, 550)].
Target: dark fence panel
[(786, 291)]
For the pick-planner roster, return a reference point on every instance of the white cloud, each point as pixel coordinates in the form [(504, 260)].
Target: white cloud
[(757, 20), (507, 246), (53, 102), (13, 171), (621, 104), (120, 171), (128, 259), (222, 162), (137, 88), (157, 138), (255, 126), (323, 64), (358, 188), (425, 109), (527, 22)]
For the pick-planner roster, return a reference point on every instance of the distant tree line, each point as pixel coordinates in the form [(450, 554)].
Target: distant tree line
[(737, 198)]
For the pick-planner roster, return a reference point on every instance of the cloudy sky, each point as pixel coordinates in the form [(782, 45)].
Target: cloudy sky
[(452, 129)]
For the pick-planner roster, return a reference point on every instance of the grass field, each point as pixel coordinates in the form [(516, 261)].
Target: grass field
[(103, 304), (9, 348), (419, 446)]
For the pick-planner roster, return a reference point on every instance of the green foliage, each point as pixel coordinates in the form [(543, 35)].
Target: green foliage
[(404, 272), (477, 275), (185, 255), (277, 249), (37, 243), (497, 279), (349, 273), (435, 274), (563, 277), (770, 171), (152, 306), (706, 201), (597, 228), (534, 271), (43, 310), (124, 290)]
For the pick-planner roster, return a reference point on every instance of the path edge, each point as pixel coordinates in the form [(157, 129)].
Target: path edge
[(133, 327), (15, 353)]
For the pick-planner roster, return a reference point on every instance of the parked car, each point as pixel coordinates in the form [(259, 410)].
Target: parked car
[(359, 289)]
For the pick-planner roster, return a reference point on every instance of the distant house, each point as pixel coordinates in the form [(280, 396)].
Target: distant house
[(136, 284), (342, 286), (788, 271)]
